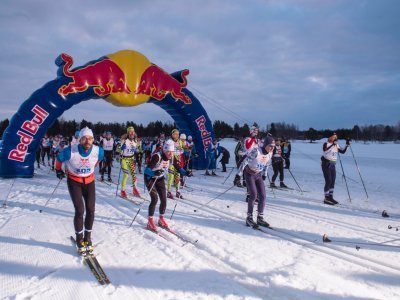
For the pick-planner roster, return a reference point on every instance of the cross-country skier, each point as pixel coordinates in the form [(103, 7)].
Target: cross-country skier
[(155, 183), (128, 149), (254, 171), (225, 158), (174, 173), (212, 152), (107, 143), (286, 150), (80, 161), (329, 158), (75, 139), (277, 165), (249, 143), (45, 145)]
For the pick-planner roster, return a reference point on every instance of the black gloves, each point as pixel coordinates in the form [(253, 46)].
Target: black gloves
[(236, 181), (60, 174), (158, 173)]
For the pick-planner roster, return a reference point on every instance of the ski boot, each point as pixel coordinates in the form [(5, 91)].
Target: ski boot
[(250, 222), (178, 195), (162, 223), (385, 214), (213, 173), (329, 200), (109, 179), (87, 241), (261, 221), (150, 225), (80, 245), (136, 192), (207, 173), (124, 195), (283, 185), (169, 195), (272, 185), (101, 178)]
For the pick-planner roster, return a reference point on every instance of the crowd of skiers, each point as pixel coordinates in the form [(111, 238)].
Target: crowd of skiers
[(167, 163)]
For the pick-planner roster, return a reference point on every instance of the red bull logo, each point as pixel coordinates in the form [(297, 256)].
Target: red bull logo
[(156, 83), (31, 127), (105, 76), (205, 134)]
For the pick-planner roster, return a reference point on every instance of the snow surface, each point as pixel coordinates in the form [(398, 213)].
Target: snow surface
[(229, 260)]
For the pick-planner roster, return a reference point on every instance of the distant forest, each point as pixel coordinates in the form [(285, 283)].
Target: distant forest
[(223, 129)]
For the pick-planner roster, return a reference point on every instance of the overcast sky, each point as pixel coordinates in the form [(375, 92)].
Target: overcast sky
[(316, 63)]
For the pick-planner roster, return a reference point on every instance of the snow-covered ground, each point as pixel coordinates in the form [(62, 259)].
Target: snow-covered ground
[(229, 260)]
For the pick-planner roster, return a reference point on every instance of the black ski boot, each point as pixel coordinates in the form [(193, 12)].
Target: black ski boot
[(261, 221), (272, 185), (329, 200), (250, 222), (283, 185)]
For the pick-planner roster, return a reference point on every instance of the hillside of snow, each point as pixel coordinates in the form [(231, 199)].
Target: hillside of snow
[(224, 259)]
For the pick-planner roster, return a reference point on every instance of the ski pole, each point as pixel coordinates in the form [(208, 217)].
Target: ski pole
[(119, 176), (214, 198), (297, 182), (176, 203), (51, 196), (9, 191), (344, 176), (359, 173), (140, 207), (269, 179)]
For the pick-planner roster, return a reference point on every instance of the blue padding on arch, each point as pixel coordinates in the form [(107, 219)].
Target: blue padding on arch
[(191, 119)]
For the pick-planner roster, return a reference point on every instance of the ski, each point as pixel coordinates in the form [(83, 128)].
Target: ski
[(179, 236), (91, 261), (130, 200), (99, 268), (157, 233)]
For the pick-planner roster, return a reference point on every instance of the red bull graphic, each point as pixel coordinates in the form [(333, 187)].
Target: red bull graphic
[(123, 78), (105, 76), (206, 136), (25, 139), (156, 83)]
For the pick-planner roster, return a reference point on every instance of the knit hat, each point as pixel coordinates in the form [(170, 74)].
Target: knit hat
[(269, 140), (85, 132), (77, 133), (169, 146), (183, 136), (129, 129)]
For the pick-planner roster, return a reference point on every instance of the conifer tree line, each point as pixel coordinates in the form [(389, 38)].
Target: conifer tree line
[(222, 129)]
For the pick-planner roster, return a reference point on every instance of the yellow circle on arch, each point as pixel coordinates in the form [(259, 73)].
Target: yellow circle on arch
[(133, 64)]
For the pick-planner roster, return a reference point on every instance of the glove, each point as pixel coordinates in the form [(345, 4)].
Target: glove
[(236, 181), (60, 174), (264, 177), (348, 142), (158, 173)]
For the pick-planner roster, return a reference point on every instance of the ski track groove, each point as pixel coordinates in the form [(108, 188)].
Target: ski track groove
[(317, 247), (328, 220), (229, 270)]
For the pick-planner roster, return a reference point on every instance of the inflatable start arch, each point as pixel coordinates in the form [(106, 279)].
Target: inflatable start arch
[(124, 78)]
